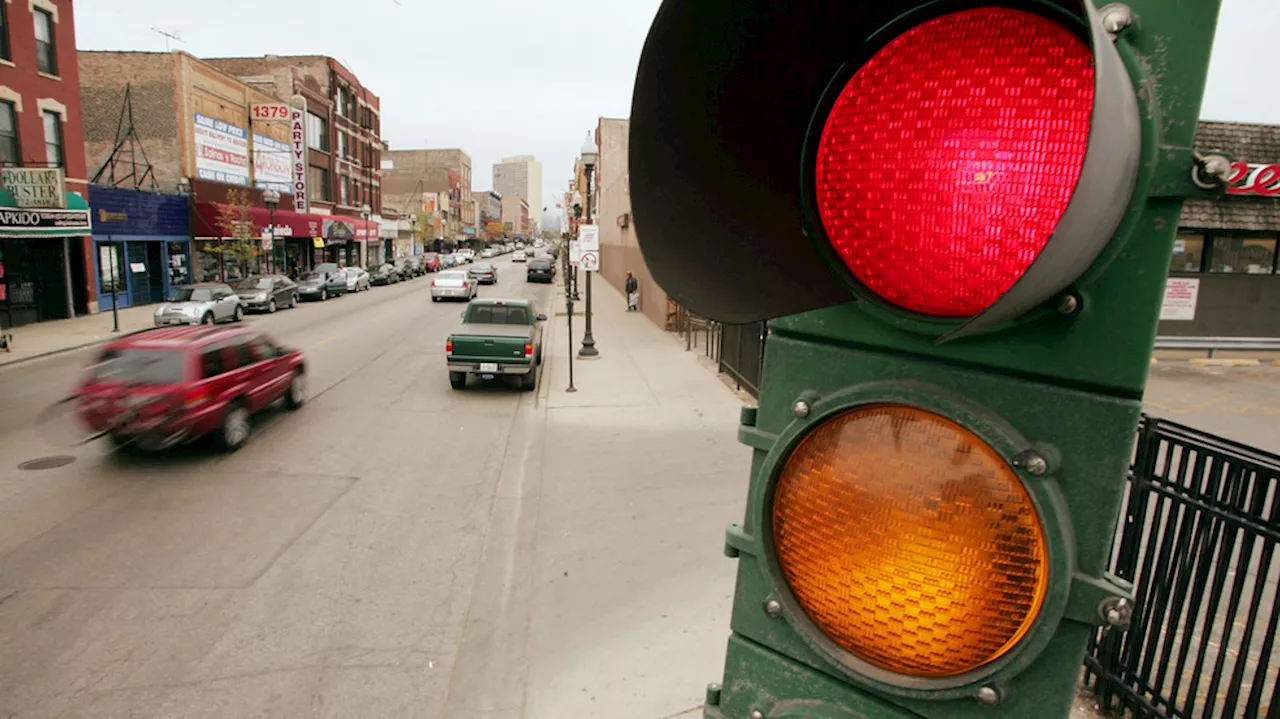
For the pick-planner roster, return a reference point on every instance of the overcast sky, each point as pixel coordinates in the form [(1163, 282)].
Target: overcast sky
[(515, 77)]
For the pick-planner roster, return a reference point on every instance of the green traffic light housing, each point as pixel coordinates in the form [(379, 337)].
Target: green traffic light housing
[(828, 103)]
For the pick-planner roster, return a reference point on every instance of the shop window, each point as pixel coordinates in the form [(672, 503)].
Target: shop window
[(1188, 252), (317, 132), (46, 52), (4, 32), (208, 264), (318, 181), (110, 269), (1243, 255), (53, 138), (10, 154)]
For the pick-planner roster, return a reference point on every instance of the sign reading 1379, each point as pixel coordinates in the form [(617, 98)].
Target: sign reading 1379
[(269, 111)]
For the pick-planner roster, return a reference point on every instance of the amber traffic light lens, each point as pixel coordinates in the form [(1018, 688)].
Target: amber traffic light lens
[(909, 541)]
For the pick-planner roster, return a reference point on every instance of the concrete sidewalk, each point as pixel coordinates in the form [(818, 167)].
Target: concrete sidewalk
[(641, 471), (46, 338)]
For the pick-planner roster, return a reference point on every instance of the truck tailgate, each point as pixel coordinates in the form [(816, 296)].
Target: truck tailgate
[(491, 342)]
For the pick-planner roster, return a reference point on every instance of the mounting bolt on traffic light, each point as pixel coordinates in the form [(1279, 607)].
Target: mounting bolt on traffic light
[(958, 218)]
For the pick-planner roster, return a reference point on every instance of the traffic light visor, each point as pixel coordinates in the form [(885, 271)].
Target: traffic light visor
[(949, 156), (909, 541)]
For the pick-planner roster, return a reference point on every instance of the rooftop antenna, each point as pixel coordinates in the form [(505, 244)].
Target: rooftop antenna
[(169, 34)]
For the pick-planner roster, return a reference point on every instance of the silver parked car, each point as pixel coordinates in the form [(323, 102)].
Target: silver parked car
[(200, 304), (454, 285), (358, 279)]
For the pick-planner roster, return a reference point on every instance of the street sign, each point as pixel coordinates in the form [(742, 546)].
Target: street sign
[(589, 237), (575, 252), (963, 279), (590, 261)]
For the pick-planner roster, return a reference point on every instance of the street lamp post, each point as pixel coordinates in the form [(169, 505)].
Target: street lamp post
[(365, 212), (589, 156), (413, 231), (271, 198)]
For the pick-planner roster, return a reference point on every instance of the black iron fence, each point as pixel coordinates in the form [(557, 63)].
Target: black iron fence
[(1197, 538), (742, 354)]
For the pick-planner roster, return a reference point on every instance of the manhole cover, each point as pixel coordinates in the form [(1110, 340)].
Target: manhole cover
[(60, 460)]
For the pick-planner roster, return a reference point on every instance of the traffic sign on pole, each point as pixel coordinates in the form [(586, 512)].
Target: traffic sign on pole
[(575, 252), (589, 237), (590, 261)]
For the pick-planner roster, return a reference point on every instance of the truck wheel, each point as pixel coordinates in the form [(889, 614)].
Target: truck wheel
[(458, 380), (529, 382)]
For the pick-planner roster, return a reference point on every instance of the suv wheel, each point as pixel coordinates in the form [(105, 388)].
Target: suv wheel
[(236, 427), (296, 395)]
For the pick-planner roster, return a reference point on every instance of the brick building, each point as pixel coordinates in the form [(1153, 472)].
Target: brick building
[(515, 217), (45, 249), (344, 127), (521, 176), (195, 124), (407, 174)]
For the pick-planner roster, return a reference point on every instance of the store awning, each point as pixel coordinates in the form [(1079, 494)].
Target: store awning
[(215, 219)]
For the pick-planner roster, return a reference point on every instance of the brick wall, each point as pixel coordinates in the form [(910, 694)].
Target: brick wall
[(151, 76)]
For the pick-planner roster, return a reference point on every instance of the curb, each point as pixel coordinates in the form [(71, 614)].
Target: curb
[(53, 353), (1217, 362)]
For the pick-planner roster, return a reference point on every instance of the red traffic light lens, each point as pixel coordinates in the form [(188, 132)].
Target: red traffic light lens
[(950, 156)]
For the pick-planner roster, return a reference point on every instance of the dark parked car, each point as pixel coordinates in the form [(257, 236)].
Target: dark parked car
[(266, 293), (409, 268), (385, 274), (321, 285), (540, 269), (173, 385)]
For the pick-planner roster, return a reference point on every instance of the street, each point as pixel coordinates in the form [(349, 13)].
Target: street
[(396, 548)]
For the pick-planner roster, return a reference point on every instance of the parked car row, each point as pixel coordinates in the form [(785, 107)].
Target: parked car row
[(207, 303)]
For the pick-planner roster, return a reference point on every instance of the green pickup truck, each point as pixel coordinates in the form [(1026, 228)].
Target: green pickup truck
[(497, 337)]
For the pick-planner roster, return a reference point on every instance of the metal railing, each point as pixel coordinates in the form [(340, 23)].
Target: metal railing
[(1213, 344), (742, 354), (1198, 534)]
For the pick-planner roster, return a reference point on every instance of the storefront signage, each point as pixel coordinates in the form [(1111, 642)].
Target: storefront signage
[(270, 163), (35, 186), (13, 221), (1181, 294), (298, 154), (109, 216), (1252, 179), (222, 151), (270, 111)]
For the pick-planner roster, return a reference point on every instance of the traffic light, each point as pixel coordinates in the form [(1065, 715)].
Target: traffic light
[(958, 217)]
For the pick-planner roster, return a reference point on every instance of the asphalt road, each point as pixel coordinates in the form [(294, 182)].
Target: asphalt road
[(326, 569)]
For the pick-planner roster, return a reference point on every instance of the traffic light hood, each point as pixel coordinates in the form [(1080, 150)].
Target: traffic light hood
[(729, 101)]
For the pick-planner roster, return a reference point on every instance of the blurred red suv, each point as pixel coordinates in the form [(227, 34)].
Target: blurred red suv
[(171, 385), (431, 262)]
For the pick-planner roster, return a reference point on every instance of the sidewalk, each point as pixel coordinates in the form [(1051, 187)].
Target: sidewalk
[(45, 338), (641, 472)]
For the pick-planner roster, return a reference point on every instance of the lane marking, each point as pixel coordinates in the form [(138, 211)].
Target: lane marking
[(323, 341)]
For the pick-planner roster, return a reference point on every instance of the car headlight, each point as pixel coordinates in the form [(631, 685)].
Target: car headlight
[(260, 296)]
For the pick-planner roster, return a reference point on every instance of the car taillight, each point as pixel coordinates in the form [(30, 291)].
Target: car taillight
[(448, 347), (465, 285), (195, 398), (433, 283), (909, 541), (939, 195), (528, 350)]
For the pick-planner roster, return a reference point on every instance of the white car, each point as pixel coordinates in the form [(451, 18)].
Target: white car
[(357, 279), (518, 256), (453, 285)]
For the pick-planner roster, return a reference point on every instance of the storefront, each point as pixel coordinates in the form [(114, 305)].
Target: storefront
[(43, 248), (1223, 279), (141, 245), (234, 241)]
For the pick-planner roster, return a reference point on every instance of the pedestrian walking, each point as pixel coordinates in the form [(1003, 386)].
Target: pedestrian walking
[(633, 292)]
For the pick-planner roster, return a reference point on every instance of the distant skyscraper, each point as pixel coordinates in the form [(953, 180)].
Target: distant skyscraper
[(520, 176)]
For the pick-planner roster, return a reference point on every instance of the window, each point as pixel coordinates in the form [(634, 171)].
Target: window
[(245, 352), (342, 144), (1252, 255), (46, 53), (53, 138), (342, 101), (4, 31), (211, 364), (318, 182), (1188, 252), (344, 191), (110, 269), (317, 132), (10, 154)]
